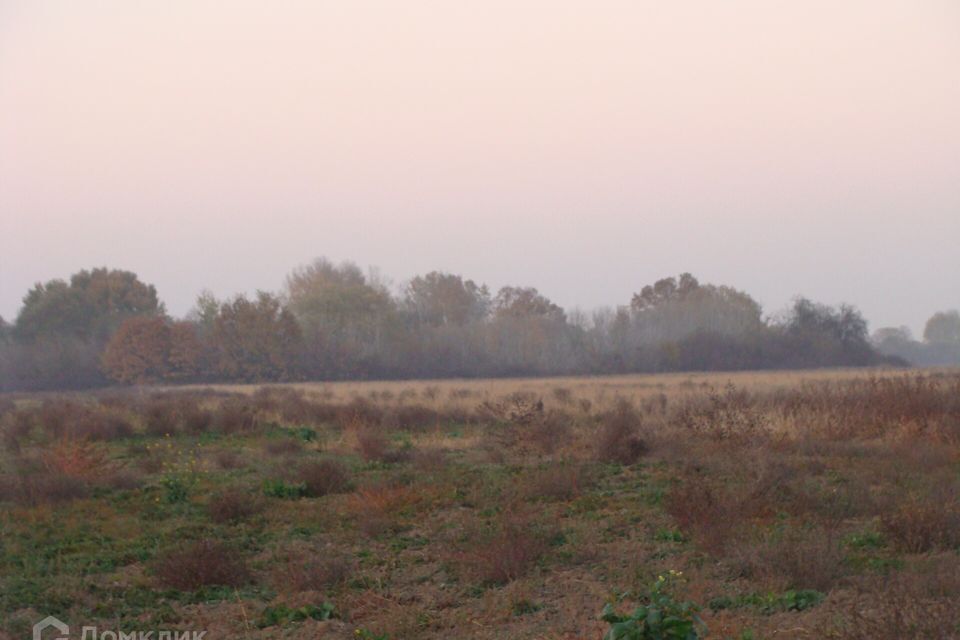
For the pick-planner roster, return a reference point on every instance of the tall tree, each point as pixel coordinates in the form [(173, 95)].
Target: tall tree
[(345, 316), (138, 351), (90, 307), (257, 339), (943, 327)]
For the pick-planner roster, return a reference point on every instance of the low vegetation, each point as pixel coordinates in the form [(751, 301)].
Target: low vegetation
[(818, 505)]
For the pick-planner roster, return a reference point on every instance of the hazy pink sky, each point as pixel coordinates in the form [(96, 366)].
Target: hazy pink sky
[(586, 148)]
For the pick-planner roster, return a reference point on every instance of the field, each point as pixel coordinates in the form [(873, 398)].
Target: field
[(755, 505)]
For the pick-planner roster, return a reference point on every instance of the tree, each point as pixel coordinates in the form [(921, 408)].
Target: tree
[(90, 307), (525, 302), (819, 335), (345, 316), (672, 310), (256, 340), (943, 327), (187, 357), (138, 351), (439, 299)]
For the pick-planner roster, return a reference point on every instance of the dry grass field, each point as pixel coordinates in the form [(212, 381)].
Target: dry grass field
[(821, 504)]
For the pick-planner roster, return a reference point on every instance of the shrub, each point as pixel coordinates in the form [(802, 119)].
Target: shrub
[(233, 505), (235, 415), (199, 564), (324, 477), (795, 560), (704, 512), (76, 458), (619, 437), (306, 570), (920, 525), (506, 553), (372, 445), (557, 482), (42, 487), (430, 458), (228, 459), (284, 446), (376, 506)]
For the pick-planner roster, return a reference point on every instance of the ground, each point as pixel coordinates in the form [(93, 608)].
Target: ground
[(778, 504)]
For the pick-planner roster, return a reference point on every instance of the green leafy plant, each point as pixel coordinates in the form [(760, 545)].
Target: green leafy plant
[(176, 487), (661, 617), (282, 614), (768, 603), (280, 489)]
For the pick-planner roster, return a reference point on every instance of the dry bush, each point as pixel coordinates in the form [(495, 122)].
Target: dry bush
[(41, 487), (518, 408), (324, 477), (77, 458), (66, 418), (160, 416), (372, 445), (557, 482), (505, 553), (16, 426), (563, 395), (705, 512), (171, 413), (912, 406), (233, 505), (235, 415), (228, 459), (796, 559), (376, 507), (915, 603), (918, 525), (619, 438), (549, 433), (283, 446), (202, 563), (429, 459), (304, 569), (732, 415)]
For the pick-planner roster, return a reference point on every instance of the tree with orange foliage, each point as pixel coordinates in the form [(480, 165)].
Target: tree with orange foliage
[(138, 351), (186, 357)]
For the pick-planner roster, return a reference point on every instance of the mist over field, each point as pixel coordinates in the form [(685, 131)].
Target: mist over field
[(585, 149)]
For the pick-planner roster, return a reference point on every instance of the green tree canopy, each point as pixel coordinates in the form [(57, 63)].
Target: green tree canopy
[(90, 307)]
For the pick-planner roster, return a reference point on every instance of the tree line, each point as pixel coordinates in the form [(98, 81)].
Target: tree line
[(333, 321)]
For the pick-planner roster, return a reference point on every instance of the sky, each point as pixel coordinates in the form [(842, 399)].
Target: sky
[(583, 147)]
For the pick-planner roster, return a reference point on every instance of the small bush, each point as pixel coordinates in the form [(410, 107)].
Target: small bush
[(557, 482), (199, 564), (233, 505), (42, 487), (372, 445), (284, 446), (306, 570), (507, 553), (228, 459), (324, 477), (918, 525), (619, 437)]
